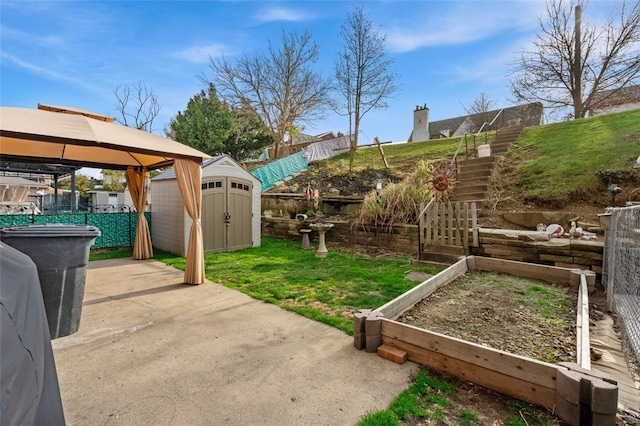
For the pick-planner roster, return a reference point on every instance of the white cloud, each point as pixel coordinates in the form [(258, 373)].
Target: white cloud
[(26, 38), (47, 73), (462, 22), (278, 14), (201, 54)]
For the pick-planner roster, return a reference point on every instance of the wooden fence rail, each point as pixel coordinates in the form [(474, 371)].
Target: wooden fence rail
[(448, 224)]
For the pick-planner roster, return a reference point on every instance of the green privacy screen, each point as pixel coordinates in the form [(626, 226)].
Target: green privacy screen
[(117, 229), (280, 169)]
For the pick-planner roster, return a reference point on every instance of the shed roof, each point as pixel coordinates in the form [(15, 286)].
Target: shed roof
[(211, 162)]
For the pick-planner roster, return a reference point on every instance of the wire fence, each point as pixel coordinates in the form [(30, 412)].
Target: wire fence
[(622, 273)]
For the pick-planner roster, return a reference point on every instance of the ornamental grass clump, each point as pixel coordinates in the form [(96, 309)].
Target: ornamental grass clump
[(400, 202)]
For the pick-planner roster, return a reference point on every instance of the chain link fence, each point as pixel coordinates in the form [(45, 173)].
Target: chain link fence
[(621, 273)]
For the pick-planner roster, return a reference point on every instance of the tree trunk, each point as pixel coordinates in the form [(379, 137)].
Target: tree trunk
[(577, 64), (353, 143)]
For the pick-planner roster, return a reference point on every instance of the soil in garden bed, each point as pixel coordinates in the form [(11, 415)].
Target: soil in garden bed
[(522, 316)]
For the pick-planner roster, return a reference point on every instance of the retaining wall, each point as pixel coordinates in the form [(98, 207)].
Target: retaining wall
[(536, 247), (402, 238), (523, 246)]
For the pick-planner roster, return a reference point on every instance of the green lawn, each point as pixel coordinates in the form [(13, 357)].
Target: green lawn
[(327, 289)]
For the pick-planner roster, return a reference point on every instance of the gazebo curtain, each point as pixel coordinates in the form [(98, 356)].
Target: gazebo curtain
[(189, 176), (138, 184)]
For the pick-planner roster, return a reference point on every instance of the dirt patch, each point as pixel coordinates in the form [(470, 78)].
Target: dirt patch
[(339, 182), (518, 315), (522, 316)]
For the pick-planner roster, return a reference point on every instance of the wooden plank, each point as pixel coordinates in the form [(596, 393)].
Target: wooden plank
[(427, 226), (474, 225), (459, 226), (554, 258), (434, 227), (527, 369), (465, 233), (514, 386), (586, 254), (528, 270), (450, 239), (384, 158), (400, 304), (582, 326), (587, 261), (443, 224)]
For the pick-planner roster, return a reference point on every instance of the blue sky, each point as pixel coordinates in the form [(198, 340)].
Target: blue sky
[(76, 53)]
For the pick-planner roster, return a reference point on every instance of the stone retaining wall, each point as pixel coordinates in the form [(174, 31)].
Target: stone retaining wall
[(402, 238), (536, 247), (523, 246)]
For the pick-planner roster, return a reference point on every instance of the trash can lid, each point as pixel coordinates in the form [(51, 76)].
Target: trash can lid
[(51, 230)]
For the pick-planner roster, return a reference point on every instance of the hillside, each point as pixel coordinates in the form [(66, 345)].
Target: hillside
[(561, 166)]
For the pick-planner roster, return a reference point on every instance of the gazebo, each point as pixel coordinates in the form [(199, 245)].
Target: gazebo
[(72, 136)]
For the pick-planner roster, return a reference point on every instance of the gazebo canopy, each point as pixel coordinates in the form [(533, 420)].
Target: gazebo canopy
[(77, 137)]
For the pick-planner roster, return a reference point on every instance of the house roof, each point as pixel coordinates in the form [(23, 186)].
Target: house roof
[(617, 96), (303, 138), (36, 168), (529, 114), (18, 181)]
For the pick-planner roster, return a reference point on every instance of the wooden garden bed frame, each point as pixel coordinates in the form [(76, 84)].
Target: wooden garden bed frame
[(556, 387)]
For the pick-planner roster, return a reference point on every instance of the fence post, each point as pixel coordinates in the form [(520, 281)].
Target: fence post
[(611, 258)]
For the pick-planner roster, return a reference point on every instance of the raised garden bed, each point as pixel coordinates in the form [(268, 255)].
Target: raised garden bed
[(553, 386), (523, 316)]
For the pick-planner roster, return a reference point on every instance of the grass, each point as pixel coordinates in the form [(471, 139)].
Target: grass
[(549, 165), (563, 161), (403, 156), (422, 400), (111, 253), (327, 289), (427, 398)]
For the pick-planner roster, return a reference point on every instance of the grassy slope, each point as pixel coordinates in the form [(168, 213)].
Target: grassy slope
[(559, 162), (550, 164)]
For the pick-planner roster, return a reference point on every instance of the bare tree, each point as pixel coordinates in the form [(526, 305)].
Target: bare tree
[(280, 85), (137, 105), (572, 61), (479, 110), (364, 73)]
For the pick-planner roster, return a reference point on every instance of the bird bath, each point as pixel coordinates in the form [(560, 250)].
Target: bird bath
[(321, 229)]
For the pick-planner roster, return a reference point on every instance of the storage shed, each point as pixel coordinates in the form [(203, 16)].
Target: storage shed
[(230, 209)]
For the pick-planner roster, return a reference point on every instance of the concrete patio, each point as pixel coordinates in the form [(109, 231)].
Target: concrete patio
[(151, 350)]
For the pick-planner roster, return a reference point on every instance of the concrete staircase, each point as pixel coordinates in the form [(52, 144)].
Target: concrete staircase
[(475, 174), (504, 138)]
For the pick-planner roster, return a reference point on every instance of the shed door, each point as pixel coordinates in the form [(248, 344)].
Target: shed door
[(213, 208), (239, 208), (226, 214)]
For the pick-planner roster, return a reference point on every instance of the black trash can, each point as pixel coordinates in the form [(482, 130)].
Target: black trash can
[(61, 253)]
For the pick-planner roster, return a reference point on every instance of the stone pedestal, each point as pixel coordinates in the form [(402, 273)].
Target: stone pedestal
[(306, 245), (321, 229)]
